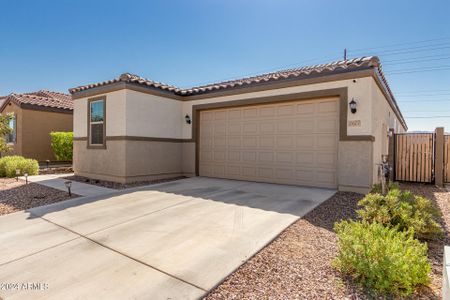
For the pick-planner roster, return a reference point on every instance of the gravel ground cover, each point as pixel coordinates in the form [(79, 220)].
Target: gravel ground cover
[(116, 185), (297, 264), (55, 170), (17, 195)]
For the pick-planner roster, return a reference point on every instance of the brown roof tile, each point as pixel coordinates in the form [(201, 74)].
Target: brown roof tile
[(323, 69), (337, 67), (42, 98)]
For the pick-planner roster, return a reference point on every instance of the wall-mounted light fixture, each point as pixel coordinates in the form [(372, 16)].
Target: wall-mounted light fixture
[(352, 104), (187, 118)]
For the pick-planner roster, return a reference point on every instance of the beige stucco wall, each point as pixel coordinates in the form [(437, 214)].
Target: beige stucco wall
[(36, 128), (383, 118), (33, 131), (354, 165), (106, 164), (152, 116)]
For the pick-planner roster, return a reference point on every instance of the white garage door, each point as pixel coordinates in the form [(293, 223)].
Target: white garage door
[(290, 142)]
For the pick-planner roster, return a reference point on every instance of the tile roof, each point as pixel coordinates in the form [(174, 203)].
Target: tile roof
[(322, 69), (42, 98), (337, 67)]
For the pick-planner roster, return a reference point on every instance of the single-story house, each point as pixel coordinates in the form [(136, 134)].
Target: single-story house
[(35, 115), (324, 125)]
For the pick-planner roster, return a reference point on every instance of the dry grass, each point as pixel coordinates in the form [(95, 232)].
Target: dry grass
[(297, 265)]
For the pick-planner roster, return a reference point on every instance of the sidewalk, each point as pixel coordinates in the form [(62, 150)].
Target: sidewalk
[(55, 181)]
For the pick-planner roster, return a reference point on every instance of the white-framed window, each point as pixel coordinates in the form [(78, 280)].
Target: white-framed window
[(97, 122), (11, 137)]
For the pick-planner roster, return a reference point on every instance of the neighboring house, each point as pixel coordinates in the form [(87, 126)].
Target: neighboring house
[(35, 115), (292, 127)]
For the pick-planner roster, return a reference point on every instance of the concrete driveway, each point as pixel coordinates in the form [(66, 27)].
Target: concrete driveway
[(174, 240)]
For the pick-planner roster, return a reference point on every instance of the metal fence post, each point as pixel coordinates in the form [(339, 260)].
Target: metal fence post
[(391, 154), (439, 157)]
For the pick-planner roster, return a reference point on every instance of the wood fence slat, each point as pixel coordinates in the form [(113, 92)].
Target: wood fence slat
[(414, 157)]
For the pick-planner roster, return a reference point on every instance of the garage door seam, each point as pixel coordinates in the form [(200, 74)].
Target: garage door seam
[(126, 255)]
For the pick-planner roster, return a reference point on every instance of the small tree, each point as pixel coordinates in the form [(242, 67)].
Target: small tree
[(62, 145), (4, 131)]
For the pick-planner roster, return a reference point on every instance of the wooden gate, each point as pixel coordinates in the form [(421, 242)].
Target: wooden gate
[(414, 157), (446, 158)]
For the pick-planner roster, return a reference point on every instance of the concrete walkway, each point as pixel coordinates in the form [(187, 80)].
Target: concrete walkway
[(174, 240), (83, 189)]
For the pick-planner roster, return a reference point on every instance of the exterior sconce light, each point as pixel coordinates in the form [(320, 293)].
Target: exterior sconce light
[(352, 105), (26, 178), (68, 185), (17, 174), (390, 133), (187, 118)]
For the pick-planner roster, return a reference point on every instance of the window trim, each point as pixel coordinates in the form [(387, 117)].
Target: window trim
[(14, 131), (89, 145)]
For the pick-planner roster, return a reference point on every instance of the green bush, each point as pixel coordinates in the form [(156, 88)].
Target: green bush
[(62, 145), (9, 165), (382, 258), (376, 188), (404, 210)]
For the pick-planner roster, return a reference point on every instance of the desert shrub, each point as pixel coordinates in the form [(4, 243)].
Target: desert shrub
[(404, 210), (9, 165), (382, 258), (62, 145)]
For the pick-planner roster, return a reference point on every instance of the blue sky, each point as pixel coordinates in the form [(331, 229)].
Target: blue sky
[(57, 45)]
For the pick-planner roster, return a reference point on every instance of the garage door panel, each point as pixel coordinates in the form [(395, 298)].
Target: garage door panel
[(265, 172), (234, 141), (326, 141), (328, 107), (305, 141), (291, 143), (305, 125), (249, 156), (234, 156), (220, 156), (285, 157), (266, 142), (266, 157), (305, 108), (250, 128), (268, 127), (284, 174), (286, 126), (220, 115), (250, 113), (286, 110), (326, 125), (250, 142), (219, 141), (235, 114), (234, 129), (268, 111)]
